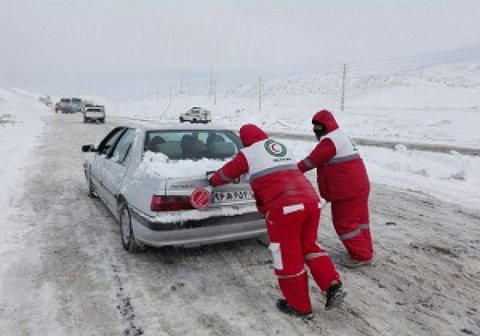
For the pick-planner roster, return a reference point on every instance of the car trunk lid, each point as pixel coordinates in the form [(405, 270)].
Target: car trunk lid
[(229, 194)]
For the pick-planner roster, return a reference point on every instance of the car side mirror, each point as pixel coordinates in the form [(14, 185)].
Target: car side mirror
[(88, 148)]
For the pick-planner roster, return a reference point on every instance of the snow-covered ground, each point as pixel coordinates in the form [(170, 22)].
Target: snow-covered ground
[(20, 127), (436, 105)]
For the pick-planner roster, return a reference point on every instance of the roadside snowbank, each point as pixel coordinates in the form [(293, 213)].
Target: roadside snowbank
[(20, 125)]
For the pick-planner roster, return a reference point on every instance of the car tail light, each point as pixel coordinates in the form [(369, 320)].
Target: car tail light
[(170, 203)]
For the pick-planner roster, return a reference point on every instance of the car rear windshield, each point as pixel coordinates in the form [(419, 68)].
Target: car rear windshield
[(193, 144)]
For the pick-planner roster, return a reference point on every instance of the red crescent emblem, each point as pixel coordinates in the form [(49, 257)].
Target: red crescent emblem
[(200, 198)]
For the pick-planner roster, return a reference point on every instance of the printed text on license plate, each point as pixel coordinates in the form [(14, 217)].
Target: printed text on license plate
[(232, 196)]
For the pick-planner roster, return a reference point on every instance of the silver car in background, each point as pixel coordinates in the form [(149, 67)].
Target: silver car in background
[(145, 175)]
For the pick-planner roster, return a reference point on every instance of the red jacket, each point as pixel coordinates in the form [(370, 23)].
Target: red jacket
[(274, 177), (341, 173)]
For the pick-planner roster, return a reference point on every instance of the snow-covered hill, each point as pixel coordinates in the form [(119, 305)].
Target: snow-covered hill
[(435, 104)]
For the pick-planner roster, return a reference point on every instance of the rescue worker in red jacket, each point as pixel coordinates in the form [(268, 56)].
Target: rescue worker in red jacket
[(343, 181), (292, 213)]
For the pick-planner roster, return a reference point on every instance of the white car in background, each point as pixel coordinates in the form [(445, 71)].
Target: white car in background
[(145, 175), (196, 115), (94, 113)]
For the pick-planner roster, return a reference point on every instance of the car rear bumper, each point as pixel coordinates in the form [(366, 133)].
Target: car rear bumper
[(198, 232), (94, 116)]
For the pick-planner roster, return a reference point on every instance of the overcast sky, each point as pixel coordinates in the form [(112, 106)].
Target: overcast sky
[(58, 45)]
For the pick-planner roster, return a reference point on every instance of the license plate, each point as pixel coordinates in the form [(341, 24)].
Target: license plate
[(232, 196)]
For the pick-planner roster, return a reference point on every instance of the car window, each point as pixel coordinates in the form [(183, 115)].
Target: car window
[(122, 148), (107, 143), (193, 144)]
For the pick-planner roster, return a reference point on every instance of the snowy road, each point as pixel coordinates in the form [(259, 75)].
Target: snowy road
[(64, 271)]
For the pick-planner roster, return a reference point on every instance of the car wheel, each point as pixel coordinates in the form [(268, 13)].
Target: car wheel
[(91, 188), (128, 239), (181, 120)]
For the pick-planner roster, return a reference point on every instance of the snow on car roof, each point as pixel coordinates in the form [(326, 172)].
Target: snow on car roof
[(151, 125)]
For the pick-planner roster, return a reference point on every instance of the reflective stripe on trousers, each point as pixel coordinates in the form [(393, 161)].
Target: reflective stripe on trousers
[(291, 276), (296, 207), (355, 232), (311, 256)]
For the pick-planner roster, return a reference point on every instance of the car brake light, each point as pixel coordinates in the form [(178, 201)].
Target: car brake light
[(170, 203)]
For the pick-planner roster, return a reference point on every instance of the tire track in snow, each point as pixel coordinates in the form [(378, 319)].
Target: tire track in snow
[(84, 232)]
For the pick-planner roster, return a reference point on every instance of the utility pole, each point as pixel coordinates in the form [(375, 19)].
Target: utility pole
[(259, 93), (210, 92), (344, 79), (214, 92)]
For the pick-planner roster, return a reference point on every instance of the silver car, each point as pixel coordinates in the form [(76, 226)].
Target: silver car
[(146, 174)]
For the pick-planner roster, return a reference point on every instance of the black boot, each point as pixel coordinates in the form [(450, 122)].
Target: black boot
[(285, 308), (335, 295)]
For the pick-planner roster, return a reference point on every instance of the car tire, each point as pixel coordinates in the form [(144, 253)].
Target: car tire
[(91, 188), (128, 239), (181, 119)]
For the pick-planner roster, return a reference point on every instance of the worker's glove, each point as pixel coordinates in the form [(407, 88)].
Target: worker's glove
[(210, 174)]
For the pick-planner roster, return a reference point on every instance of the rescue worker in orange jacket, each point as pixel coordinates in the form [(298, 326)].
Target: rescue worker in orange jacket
[(343, 181), (292, 213)]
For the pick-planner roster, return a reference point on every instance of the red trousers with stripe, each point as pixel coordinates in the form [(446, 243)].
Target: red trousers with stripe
[(351, 220), (293, 243)]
